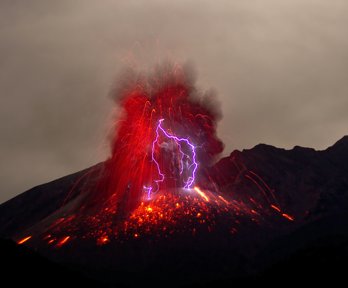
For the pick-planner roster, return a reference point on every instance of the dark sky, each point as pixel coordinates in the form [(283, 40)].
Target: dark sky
[(280, 69)]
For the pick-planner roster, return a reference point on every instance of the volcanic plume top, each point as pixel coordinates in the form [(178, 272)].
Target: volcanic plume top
[(168, 93)]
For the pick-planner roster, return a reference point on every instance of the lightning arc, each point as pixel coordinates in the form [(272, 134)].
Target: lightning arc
[(189, 167)]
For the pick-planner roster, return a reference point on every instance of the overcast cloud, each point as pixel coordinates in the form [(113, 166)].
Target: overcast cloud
[(280, 69)]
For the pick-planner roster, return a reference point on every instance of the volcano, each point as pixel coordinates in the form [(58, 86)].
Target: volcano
[(161, 207), (258, 208)]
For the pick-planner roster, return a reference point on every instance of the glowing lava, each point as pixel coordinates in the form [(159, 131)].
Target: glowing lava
[(165, 129)]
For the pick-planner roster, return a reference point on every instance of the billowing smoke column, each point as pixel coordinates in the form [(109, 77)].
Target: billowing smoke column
[(165, 136)]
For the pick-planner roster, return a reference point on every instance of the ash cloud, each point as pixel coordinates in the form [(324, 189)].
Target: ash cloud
[(174, 87), (164, 75)]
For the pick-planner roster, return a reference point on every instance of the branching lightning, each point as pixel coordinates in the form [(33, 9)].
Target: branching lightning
[(190, 166)]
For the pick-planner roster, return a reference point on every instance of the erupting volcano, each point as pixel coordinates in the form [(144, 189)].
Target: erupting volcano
[(163, 200), (158, 180), (164, 138)]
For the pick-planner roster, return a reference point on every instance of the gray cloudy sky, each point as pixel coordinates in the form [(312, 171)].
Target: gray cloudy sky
[(280, 68)]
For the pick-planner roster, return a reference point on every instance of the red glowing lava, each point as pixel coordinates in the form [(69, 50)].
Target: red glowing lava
[(166, 134)]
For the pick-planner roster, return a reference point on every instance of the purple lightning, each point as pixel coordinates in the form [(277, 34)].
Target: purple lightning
[(190, 181), (148, 191)]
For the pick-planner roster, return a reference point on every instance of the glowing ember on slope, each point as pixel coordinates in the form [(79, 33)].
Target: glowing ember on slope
[(287, 216), (22, 241), (202, 194), (275, 208), (63, 241), (103, 240)]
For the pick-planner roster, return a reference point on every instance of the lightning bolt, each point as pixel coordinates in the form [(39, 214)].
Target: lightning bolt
[(179, 141)]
